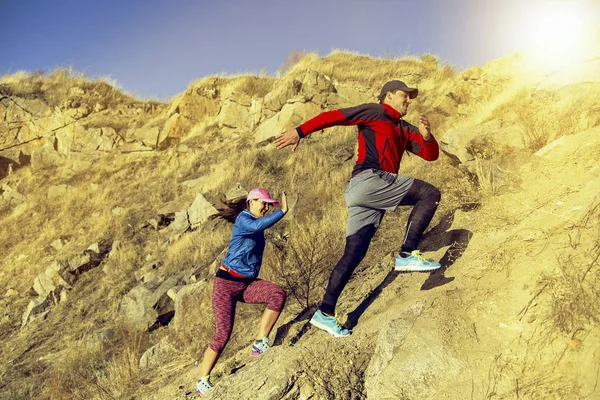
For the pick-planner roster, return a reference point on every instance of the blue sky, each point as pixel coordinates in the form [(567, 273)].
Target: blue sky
[(156, 48)]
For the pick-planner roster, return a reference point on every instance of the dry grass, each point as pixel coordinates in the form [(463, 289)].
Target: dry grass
[(307, 247), (372, 72), (250, 84), (575, 299), (547, 114), (141, 187), (92, 369), (196, 250), (56, 86)]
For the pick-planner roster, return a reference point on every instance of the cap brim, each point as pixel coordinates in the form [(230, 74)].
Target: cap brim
[(412, 93), (275, 203)]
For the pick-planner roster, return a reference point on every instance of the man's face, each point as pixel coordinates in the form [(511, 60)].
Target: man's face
[(399, 100)]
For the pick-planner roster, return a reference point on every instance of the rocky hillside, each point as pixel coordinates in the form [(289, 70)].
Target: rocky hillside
[(109, 250)]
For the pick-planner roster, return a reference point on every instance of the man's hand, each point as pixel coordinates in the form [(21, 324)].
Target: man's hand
[(286, 139), (283, 203), (424, 127)]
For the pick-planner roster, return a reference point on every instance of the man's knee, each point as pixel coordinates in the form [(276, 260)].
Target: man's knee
[(359, 242), (434, 194), (355, 250), (421, 190)]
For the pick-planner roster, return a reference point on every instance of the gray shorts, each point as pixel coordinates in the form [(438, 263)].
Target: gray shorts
[(370, 194)]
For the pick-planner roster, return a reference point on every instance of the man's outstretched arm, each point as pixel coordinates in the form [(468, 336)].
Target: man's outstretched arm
[(345, 116), (321, 121)]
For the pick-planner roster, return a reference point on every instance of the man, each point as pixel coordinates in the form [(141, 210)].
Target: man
[(375, 186)]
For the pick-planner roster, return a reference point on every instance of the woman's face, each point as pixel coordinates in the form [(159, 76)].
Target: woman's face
[(259, 208)]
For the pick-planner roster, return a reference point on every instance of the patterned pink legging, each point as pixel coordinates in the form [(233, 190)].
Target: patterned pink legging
[(225, 296)]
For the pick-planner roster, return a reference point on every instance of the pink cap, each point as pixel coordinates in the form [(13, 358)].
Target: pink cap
[(261, 194)]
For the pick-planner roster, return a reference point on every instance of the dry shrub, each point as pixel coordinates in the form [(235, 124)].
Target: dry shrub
[(546, 115), (575, 298), (292, 59), (510, 378), (305, 262), (537, 125)]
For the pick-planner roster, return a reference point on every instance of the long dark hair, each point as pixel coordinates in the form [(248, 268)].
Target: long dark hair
[(234, 208)]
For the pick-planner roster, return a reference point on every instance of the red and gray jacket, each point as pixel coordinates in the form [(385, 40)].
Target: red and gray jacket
[(382, 135)]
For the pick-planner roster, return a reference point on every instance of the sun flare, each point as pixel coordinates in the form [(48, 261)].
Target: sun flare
[(560, 33)]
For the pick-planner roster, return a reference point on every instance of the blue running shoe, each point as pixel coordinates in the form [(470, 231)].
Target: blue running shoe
[(203, 385), (328, 324), (260, 346), (415, 263)]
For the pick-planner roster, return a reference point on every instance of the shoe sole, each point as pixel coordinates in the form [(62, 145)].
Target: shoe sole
[(256, 353), (415, 269), (326, 329)]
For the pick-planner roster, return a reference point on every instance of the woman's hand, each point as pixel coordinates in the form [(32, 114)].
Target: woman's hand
[(284, 205)]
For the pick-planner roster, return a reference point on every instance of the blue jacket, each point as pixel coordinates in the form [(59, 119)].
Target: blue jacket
[(248, 242)]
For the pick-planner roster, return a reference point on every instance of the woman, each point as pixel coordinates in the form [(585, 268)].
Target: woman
[(237, 277)]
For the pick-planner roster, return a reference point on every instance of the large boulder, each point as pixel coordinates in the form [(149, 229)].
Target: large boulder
[(273, 376), (236, 192), (290, 116), (46, 155), (37, 308), (102, 139), (55, 275), (157, 355), (148, 134), (136, 308), (175, 128), (354, 95), (71, 138), (197, 102), (316, 82), (191, 305), (284, 90), (489, 151), (200, 211), (235, 112), (148, 304), (410, 362), (255, 113)]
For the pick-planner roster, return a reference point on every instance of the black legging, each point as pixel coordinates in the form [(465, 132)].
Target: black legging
[(425, 198)]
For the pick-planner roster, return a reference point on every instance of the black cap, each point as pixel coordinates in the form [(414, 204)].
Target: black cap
[(397, 85)]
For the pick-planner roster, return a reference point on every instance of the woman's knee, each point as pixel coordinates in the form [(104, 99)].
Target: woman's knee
[(218, 343), (277, 300)]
